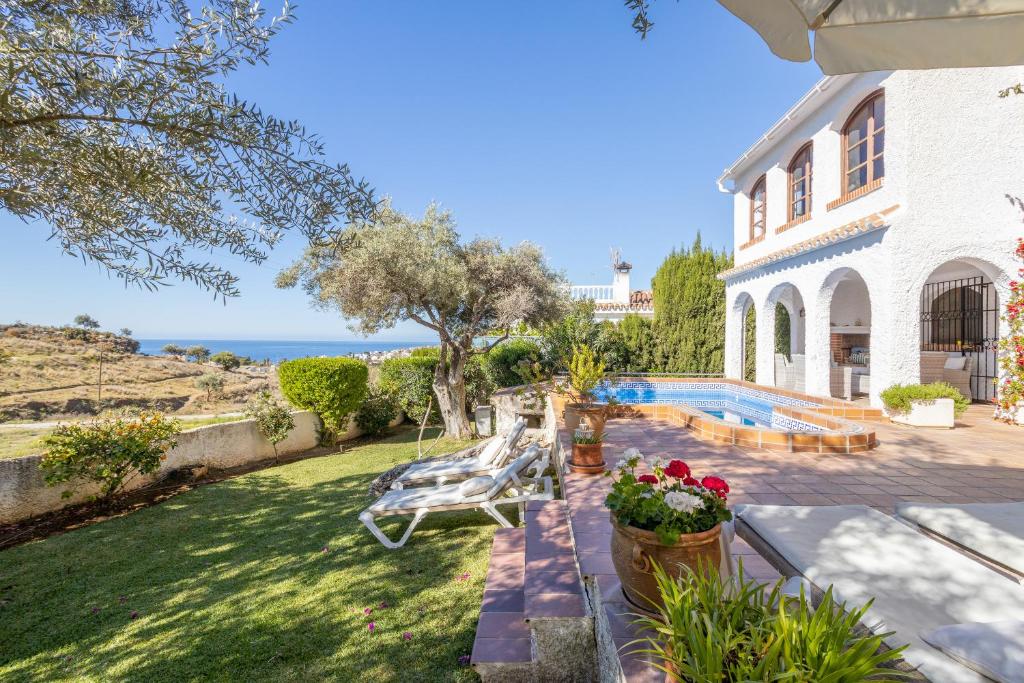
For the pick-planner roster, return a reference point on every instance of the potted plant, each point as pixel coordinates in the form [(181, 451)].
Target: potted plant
[(587, 454), (586, 371), (924, 405), (666, 517)]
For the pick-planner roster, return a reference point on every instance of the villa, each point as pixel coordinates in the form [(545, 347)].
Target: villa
[(617, 300), (878, 213)]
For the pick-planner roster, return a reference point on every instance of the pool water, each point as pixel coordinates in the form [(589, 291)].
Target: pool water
[(731, 403)]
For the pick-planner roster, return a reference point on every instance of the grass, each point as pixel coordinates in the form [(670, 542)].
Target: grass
[(231, 581), (15, 443)]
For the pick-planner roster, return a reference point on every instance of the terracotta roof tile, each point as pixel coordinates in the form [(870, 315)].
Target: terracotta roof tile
[(640, 300), (874, 221)]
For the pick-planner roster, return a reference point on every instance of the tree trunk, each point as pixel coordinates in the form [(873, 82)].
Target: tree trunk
[(450, 389)]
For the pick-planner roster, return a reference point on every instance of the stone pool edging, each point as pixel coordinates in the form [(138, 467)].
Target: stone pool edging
[(844, 435)]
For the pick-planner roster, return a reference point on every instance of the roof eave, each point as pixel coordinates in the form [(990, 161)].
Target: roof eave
[(812, 100)]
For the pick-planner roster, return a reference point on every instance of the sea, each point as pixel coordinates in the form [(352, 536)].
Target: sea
[(276, 351)]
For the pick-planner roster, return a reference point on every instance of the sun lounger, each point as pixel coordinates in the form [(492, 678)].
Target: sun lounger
[(993, 531), (521, 478), (918, 583), (494, 454)]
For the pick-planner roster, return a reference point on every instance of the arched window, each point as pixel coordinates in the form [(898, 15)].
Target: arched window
[(758, 206), (800, 183), (864, 144)]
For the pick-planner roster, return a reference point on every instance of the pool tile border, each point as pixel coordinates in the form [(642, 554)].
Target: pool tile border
[(840, 434)]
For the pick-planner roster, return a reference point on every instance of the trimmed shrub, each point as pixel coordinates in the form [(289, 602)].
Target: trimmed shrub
[(425, 352), (501, 364), (333, 388), (377, 411), (898, 397)]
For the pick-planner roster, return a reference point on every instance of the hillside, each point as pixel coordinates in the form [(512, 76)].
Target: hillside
[(48, 372)]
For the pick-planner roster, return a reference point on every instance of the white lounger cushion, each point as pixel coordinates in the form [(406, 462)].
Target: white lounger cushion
[(424, 497), (992, 530), (493, 455), (472, 487), (917, 582), (995, 649)]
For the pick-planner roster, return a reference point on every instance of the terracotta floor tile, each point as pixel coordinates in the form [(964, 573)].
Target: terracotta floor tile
[(498, 650), (502, 625)]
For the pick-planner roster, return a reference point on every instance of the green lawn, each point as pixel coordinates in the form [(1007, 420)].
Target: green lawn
[(232, 582), (15, 443)]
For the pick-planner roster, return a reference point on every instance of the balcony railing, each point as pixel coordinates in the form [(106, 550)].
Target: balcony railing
[(595, 292)]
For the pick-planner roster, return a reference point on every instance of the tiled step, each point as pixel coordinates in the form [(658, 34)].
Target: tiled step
[(553, 587), (502, 635)]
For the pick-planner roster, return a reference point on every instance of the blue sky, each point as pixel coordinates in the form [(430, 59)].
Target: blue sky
[(544, 121)]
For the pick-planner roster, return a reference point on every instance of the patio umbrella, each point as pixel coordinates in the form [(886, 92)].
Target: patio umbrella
[(852, 36)]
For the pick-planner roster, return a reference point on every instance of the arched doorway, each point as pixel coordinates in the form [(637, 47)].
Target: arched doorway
[(960, 329), (785, 309), (744, 309), (849, 335)]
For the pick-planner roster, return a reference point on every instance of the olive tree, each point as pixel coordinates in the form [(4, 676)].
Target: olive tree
[(119, 133), (396, 267)]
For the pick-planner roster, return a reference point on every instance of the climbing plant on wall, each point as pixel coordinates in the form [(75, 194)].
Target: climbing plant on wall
[(1010, 398), (750, 345)]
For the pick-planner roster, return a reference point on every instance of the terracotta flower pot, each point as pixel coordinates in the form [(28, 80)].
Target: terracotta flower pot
[(634, 550), (596, 414), (587, 455)]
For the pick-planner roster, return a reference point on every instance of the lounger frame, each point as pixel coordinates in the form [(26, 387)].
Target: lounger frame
[(525, 488)]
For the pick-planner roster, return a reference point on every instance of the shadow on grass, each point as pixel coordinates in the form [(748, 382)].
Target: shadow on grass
[(263, 577)]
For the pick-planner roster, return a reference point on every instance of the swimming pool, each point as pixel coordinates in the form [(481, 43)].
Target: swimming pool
[(732, 403)]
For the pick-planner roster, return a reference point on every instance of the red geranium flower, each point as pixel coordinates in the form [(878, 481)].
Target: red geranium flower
[(647, 479), (715, 484), (690, 481), (678, 469)]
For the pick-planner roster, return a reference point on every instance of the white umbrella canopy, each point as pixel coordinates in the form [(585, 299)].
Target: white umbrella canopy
[(852, 36)]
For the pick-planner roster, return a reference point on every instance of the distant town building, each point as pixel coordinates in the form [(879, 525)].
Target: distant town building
[(615, 301)]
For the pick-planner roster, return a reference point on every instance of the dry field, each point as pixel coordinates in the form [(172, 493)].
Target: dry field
[(47, 376)]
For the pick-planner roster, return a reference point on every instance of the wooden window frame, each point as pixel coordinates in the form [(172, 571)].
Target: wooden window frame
[(807, 179), (761, 181), (844, 172)]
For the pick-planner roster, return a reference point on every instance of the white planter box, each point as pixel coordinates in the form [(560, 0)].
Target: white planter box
[(937, 413)]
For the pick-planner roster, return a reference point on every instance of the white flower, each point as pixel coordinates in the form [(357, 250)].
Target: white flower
[(683, 502), (657, 461), (632, 453), (622, 464)]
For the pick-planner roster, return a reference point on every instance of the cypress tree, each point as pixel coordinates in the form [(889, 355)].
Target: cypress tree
[(782, 330), (750, 345), (689, 306)]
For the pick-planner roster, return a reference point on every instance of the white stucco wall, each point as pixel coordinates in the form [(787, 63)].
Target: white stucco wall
[(23, 493), (954, 155)]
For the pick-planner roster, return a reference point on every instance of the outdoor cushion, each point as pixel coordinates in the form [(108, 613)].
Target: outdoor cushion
[(995, 649), (427, 496), (955, 362), (918, 583), (476, 485), (993, 530)]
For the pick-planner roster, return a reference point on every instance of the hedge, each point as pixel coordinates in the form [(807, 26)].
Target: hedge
[(333, 388), (501, 364), (411, 382)]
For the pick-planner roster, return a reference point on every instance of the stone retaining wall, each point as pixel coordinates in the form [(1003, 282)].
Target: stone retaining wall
[(24, 494)]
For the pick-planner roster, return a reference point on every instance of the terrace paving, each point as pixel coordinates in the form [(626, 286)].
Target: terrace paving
[(979, 461)]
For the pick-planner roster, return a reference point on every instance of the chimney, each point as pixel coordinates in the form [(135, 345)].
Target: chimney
[(620, 282)]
